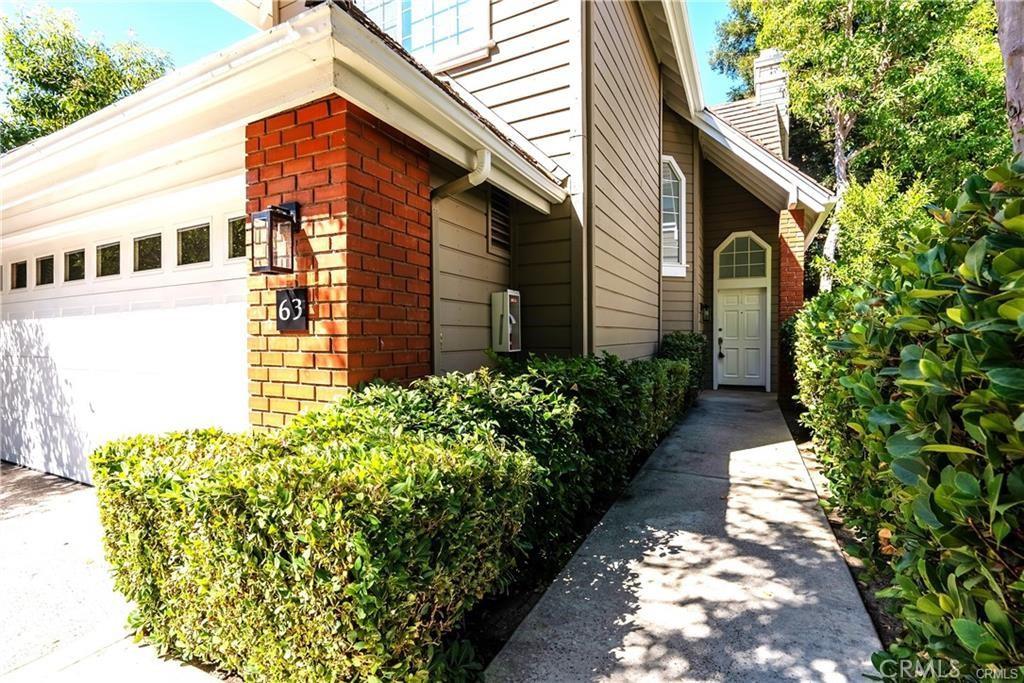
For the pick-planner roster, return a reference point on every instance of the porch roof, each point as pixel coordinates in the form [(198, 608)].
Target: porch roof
[(773, 180)]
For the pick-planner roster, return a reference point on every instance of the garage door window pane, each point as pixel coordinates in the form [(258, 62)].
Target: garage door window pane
[(74, 265), (193, 245), (147, 253), (19, 275), (236, 238), (108, 259), (44, 271)]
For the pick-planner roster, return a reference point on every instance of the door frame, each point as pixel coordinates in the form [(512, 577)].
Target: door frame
[(765, 283)]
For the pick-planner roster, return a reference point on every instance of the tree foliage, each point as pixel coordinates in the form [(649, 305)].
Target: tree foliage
[(53, 76), (876, 216), (737, 48)]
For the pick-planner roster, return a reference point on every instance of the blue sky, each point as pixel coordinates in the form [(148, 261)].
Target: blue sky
[(190, 30), (704, 14)]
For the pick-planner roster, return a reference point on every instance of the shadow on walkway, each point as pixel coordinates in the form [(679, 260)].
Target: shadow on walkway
[(716, 565)]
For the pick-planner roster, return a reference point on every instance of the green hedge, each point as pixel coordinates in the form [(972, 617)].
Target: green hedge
[(345, 546), (624, 406), (915, 390), (691, 347), (340, 560)]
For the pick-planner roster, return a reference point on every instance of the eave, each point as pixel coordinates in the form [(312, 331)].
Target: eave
[(191, 123)]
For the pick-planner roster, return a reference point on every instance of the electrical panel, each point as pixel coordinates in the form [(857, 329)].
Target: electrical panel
[(506, 331)]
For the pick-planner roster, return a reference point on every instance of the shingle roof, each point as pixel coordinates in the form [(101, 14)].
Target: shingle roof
[(760, 122)]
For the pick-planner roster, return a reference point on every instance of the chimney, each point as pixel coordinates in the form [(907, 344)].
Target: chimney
[(770, 88)]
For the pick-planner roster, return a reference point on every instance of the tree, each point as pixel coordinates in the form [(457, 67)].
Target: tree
[(737, 48), (53, 76), (861, 72), (1011, 44)]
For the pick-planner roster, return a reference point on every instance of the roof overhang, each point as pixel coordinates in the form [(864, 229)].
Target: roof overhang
[(685, 55), (777, 183), (190, 124)]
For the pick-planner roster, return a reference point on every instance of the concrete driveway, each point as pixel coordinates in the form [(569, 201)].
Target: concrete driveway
[(60, 619), (716, 565)]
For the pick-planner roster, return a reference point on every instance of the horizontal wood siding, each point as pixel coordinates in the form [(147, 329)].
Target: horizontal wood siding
[(466, 275), (729, 208), (680, 302), (543, 275), (626, 144), (526, 80)]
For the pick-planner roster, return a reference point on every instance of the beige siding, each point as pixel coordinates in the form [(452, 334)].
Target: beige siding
[(543, 275), (466, 274), (625, 176), (680, 306), (527, 79), (729, 208)]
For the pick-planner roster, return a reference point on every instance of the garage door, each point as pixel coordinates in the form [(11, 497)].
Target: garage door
[(117, 332)]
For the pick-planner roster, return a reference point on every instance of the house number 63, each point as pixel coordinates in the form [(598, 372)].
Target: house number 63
[(292, 309)]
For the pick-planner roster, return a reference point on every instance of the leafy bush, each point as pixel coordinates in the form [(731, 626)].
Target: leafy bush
[(519, 415), (915, 390), (346, 545), (624, 406), (338, 559), (691, 347)]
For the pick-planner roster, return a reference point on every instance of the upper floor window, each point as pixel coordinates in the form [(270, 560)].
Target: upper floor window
[(673, 219), (439, 33)]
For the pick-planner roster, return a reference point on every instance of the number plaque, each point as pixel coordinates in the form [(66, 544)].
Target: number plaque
[(292, 309)]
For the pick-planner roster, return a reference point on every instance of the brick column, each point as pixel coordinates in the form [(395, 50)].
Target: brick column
[(363, 251), (791, 283), (791, 262)]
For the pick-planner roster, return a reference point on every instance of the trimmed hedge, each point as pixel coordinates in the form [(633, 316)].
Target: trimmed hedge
[(342, 560), (346, 545), (691, 347), (915, 390), (624, 406)]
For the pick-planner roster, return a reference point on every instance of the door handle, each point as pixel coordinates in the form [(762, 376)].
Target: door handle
[(720, 354)]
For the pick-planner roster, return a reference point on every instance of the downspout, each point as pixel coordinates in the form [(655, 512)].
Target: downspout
[(479, 175)]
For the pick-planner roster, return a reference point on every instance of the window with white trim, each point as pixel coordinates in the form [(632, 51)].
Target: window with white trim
[(439, 33), (673, 219), (743, 257)]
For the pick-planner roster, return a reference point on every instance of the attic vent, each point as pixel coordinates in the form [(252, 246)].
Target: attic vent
[(499, 227)]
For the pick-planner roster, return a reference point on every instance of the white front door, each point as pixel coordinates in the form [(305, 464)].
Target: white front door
[(741, 337)]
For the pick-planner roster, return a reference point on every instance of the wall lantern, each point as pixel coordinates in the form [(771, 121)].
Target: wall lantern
[(273, 239)]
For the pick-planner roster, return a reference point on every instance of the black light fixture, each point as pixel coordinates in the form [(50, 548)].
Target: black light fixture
[(273, 238)]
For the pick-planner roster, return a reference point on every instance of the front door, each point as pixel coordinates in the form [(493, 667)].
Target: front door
[(741, 336)]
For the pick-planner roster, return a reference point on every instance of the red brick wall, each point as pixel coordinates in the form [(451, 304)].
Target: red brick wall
[(363, 251), (791, 283), (791, 263)]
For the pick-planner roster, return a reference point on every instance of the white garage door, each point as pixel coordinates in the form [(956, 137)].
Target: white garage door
[(112, 348)]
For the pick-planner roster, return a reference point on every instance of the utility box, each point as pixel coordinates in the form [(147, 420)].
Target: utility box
[(506, 332)]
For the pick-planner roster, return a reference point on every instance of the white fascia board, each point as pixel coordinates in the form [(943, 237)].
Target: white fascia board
[(810, 194), (161, 131), (378, 79), (682, 43)]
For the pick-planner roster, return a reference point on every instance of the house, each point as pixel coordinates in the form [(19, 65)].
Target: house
[(438, 153)]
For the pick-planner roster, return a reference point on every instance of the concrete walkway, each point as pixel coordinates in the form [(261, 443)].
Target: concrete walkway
[(60, 618), (716, 565)]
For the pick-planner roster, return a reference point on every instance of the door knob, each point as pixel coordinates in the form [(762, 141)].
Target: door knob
[(720, 354)]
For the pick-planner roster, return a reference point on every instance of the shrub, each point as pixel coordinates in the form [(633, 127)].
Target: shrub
[(624, 406), (348, 544), (691, 347), (346, 559), (520, 415), (921, 380)]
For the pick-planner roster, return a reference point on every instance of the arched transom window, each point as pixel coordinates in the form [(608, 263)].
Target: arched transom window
[(743, 257)]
